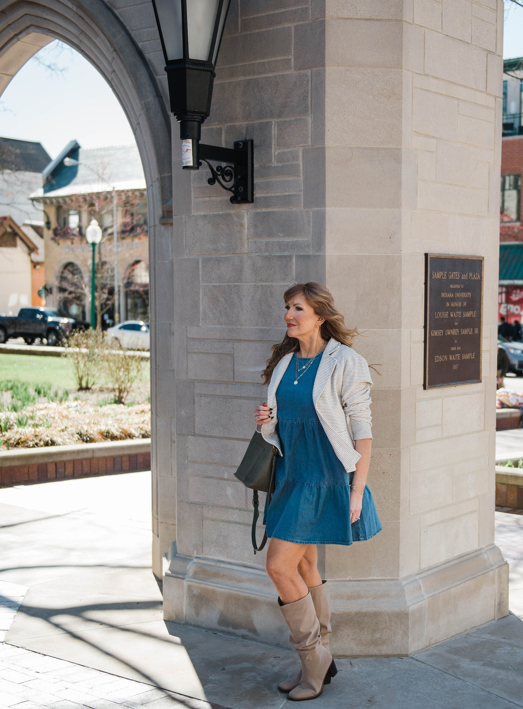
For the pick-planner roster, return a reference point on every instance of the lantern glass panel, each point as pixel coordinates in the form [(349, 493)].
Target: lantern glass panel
[(201, 18), (170, 17), (223, 16)]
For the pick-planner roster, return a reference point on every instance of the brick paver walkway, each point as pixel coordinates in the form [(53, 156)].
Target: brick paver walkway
[(29, 680)]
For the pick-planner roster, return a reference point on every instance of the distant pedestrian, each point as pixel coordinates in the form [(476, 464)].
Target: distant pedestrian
[(503, 365), (107, 322), (516, 331), (505, 329), (318, 418)]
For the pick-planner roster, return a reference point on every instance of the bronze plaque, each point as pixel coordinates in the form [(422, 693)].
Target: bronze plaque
[(453, 319)]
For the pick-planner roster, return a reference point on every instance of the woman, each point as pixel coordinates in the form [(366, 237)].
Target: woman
[(318, 417)]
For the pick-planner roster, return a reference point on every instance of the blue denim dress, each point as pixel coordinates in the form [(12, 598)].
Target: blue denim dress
[(311, 501)]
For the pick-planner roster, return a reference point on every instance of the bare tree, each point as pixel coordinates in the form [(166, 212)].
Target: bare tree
[(55, 58)]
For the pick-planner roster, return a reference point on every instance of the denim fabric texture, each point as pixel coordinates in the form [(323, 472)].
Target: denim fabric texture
[(311, 501)]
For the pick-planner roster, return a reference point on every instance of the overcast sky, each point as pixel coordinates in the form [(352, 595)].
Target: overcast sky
[(73, 101)]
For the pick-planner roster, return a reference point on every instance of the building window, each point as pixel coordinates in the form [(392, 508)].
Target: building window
[(71, 291), (510, 197), (134, 221), (136, 285), (73, 218), (61, 216), (68, 225)]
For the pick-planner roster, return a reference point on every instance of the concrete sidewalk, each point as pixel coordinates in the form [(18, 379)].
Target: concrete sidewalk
[(81, 616), (509, 444)]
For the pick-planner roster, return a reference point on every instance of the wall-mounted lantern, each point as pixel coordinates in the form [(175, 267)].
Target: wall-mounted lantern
[(47, 222), (191, 32)]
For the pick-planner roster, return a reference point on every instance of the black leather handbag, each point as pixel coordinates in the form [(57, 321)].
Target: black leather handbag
[(257, 472)]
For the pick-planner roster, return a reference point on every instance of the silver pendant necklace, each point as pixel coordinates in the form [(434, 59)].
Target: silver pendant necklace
[(303, 369)]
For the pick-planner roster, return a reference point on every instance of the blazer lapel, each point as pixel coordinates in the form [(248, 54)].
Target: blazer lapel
[(326, 368)]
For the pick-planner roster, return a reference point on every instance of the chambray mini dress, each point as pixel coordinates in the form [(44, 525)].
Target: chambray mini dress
[(311, 501)]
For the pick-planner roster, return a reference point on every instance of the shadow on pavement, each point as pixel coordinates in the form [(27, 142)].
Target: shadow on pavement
[(91, 599)]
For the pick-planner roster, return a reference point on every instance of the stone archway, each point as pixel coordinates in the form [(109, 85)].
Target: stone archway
[(97, 32), (104, 36)]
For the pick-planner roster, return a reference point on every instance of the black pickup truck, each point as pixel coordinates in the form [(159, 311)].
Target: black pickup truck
[(36, 323)]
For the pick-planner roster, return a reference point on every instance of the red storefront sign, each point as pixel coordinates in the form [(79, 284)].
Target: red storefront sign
[(510, 303)]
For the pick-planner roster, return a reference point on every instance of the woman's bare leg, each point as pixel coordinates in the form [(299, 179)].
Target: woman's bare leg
[(283, 562), (299, 612), (308, 567)]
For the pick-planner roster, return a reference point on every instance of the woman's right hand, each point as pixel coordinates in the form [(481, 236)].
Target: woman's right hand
[(262, 414)]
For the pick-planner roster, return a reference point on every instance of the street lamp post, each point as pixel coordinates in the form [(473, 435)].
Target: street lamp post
[(115, 249), (93, 234), (71, 162)]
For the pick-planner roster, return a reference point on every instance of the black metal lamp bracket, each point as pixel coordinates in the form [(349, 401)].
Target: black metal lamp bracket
[(237, 176)]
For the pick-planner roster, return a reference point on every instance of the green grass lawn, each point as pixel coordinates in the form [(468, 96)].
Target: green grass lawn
[(32, 370), (40, 404)]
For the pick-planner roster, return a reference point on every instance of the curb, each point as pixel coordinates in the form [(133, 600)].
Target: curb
[(59, 351), (509, 486), (507, 419), (33, 465)]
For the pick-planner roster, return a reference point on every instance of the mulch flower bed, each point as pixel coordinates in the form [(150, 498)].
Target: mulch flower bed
[(72, 422)]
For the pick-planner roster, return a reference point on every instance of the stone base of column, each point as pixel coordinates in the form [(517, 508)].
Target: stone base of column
[(369, 618)]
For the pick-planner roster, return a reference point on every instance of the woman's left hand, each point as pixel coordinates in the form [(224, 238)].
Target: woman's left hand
[(356, 500)]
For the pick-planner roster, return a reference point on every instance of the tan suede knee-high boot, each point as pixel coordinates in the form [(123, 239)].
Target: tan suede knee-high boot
[(322, 605), (316, 661)]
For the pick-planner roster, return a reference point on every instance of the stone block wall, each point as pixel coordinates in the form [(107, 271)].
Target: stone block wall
[(455, 88), (377, 139), (231, 266)]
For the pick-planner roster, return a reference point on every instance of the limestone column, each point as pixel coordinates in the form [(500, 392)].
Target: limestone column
[(377, 130)]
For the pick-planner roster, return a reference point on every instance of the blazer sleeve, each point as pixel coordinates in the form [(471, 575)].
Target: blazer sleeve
[(356, 398)]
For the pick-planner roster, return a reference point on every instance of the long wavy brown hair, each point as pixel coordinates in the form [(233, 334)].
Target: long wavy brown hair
[(320, 299)]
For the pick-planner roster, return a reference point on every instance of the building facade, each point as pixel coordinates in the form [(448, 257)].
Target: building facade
[(21, 165), (377, 134), (510, 297), (512, 151), (35, 234), (72, 195), (16, 267)]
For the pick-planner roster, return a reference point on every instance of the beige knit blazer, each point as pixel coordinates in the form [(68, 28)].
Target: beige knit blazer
[(341, 396)]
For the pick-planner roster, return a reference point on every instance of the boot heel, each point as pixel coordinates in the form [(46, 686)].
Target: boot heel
[(331, 672), (327, 679)]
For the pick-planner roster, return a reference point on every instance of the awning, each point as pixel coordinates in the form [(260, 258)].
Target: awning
[(511, 264)]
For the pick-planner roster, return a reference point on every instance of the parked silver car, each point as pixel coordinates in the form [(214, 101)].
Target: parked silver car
[(515, 354), (131, 335)]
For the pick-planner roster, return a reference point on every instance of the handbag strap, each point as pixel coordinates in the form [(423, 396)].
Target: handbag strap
[(255, 504)]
